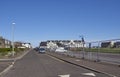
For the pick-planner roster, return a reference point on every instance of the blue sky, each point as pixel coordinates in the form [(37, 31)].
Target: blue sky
[(41, 20)]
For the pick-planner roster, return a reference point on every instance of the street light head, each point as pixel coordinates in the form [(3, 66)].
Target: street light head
[(81, 36), (13, 23)]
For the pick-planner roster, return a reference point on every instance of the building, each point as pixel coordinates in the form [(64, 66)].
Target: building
[(4, 43), (8, 43), (51, 44), (62, 43), (18, 44), (76, 44), (22, 45), (117, 45), (26, 45), (110, 44), (43, 44)]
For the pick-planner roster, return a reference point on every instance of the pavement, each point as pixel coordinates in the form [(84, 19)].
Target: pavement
[(6, 64), (105, 68)]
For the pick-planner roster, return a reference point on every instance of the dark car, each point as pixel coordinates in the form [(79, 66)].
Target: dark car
[(36, 49)]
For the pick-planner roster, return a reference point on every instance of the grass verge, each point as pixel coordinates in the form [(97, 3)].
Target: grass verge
[(102, 50)]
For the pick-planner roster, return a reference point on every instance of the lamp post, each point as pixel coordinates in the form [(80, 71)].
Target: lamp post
[(13, 52), (83, 42), (98, 52)]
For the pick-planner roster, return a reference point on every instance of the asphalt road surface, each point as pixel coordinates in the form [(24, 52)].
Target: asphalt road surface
[(43, 65)]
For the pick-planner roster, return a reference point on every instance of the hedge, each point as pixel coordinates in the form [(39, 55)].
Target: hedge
[(4, 51)]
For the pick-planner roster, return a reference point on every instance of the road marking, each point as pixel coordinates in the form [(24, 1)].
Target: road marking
[(77, 60), (64, 75), (13, 63), (89, 74), (56, 58), (7, 69)]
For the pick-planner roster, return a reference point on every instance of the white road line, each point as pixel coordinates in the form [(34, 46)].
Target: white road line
[(7, 69), (68, 75), (89, 74), (77, 60)]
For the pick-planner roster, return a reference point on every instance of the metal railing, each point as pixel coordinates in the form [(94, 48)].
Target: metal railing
[(104, 51)]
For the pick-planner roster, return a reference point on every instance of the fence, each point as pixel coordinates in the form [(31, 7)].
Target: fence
[(104, 51)]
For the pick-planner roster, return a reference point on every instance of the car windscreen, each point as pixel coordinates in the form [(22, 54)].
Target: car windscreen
[(42, 49)]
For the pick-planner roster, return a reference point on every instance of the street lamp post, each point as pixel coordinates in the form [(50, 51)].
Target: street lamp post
[(83, 42), (13, 52), (98, 52)]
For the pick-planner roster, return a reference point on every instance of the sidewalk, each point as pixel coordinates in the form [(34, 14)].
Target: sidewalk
[(109, 69), (6, 63)]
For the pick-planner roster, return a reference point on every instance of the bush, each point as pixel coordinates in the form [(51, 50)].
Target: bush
[(5, 51)]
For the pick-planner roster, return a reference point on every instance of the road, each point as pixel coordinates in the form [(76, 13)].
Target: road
[(43, 65)]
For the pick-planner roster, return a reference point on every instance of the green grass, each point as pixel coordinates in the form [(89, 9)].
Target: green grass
[(102, 50)]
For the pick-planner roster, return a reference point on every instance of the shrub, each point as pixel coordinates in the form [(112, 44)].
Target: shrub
[(5, 51)]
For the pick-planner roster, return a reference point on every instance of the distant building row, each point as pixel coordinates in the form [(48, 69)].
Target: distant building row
[(61, 43), (75, 44), (4, 43), (110, 44)]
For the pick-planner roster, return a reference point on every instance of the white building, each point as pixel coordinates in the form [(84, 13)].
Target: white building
[(67, 43), (26, 45), (75, 44), (51, 45)]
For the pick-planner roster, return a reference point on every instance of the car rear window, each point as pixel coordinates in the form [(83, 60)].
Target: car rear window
[(42, 49)]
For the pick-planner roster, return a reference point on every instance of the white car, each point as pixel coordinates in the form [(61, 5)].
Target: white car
[(41, 50), (60, 49)]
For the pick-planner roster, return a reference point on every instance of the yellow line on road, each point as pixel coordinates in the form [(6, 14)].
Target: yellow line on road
[(55, 58)]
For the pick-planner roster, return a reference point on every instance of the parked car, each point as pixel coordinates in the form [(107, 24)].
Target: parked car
[(60, 49), (36, 49), (42, 50)]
